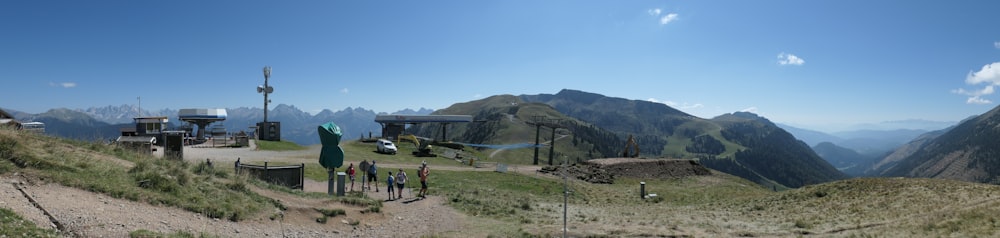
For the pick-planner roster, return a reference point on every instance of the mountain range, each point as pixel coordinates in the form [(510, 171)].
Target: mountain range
[(865, 152), (864, 141), (300, 127), (742, 144)]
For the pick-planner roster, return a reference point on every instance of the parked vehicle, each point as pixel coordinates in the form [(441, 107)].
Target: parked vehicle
[(385, 146)]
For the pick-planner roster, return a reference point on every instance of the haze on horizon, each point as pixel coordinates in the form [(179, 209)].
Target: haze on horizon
[(807, 64)]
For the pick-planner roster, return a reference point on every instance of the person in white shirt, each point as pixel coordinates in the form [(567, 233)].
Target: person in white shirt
[(400, 182)]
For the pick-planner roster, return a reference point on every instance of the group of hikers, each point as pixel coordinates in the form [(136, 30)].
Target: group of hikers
[(397, 181)]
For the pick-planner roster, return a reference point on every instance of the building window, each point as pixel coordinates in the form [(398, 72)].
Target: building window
[(153, 128)]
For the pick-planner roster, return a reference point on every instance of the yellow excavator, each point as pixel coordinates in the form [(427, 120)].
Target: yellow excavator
[(423, 149)]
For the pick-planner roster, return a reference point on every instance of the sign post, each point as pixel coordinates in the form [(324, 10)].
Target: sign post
[(364, 171), (332, 156)]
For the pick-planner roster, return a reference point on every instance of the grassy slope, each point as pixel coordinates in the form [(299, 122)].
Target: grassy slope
[(278, 145), (120, 173), (677, 142), (718, 205), (13, 225), (880, 207)]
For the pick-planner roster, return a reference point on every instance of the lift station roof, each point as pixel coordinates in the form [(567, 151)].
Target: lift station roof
[(202, 114)]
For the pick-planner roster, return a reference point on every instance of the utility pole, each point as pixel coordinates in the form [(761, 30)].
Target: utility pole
[(538, 128), (138, 107), (444, 132), (552, 144), (565, 197)]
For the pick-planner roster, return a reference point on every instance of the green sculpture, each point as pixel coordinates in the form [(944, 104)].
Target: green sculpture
[(332, 156)]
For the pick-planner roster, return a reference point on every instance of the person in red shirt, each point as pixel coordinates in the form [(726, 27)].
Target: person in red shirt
[(424, 171), (350, 173)]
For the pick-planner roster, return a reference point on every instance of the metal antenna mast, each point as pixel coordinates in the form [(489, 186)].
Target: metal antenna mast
[(138, 106), (266, 89)]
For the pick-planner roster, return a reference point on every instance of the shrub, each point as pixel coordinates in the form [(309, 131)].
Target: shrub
[(331, 212), (155, 181), (205, 169), (525, 204), (803, 224)]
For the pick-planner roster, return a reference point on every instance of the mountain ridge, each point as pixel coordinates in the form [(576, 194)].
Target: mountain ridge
[(297, 126), (729, 143), (965, 152)]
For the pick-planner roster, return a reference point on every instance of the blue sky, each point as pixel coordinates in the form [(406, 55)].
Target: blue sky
[(806, 63)]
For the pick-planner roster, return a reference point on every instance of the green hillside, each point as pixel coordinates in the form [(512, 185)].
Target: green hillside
[(967, 152), (506, 120), (742, 144), (595, 126)]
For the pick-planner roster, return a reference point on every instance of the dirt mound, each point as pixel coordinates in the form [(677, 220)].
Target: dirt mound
[(605, 170), (586, 172)]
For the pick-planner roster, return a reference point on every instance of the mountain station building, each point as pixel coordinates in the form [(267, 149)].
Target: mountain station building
[(395, 125)]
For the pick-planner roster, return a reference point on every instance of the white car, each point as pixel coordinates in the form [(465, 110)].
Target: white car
[(385, 146)]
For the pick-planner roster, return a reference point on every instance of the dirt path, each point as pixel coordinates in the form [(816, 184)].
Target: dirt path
[(87, 214)]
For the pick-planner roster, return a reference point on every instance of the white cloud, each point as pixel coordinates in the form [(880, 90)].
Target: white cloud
[(996, 44), (989, 75), (750, 110), (977, 100), (654, 12), (63, 84), (477, 96), (673, 104), (985, 91), (668, 18), (685, 105), (345, 91), (789, 59), (976, 97)]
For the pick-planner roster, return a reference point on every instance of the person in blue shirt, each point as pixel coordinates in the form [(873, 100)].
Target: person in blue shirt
[(390, 183), (372, 176)]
